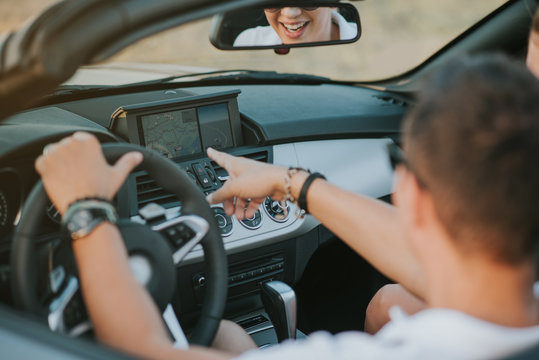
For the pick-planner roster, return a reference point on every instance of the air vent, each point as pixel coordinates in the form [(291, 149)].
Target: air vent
[(392, 99), (258, 156), (149, 192)]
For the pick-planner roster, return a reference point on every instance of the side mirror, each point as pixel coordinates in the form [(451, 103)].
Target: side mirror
[(274, 26)]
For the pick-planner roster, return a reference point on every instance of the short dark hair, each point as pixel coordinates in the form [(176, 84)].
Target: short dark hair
[(535, 22), (473, 137)]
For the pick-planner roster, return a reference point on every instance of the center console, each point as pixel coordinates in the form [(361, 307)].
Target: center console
[(260, 248)]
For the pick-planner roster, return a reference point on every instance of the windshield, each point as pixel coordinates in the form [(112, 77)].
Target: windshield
[(396, 36)]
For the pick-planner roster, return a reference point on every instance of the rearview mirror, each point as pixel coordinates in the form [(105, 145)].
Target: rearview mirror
[(274, 26)]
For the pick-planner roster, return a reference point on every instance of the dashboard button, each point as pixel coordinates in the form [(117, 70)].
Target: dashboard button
[(205, 181), (198, 169), (253, 223), (221, 221), (211, 174), (275, 210), (224, 222), (192, 176), (202, 176)]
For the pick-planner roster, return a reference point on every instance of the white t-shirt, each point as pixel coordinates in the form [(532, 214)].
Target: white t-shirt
[(429, 334), (266, 36)]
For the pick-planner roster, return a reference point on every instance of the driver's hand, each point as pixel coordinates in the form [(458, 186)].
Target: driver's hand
[(249, 180), (75, 168)]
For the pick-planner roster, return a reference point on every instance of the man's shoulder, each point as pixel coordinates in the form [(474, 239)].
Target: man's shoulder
[(433, 333)]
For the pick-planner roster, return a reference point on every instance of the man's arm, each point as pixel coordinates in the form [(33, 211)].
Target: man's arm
[(122, 312), (368, 226)]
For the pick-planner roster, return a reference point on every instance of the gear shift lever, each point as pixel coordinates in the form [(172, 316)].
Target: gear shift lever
[(280, 302)]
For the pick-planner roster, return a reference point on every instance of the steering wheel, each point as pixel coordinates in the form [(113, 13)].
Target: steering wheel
[(159, 248)]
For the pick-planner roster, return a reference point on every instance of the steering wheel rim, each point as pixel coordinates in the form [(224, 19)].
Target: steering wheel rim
[(171, 178)]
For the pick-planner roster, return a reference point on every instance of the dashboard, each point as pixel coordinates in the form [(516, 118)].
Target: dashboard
[(338, 130)]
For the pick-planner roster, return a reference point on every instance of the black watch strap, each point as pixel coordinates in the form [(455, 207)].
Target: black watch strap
[(83, 216)]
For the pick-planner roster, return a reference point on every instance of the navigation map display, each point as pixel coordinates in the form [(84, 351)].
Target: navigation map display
[(173, 133), (181, 127)]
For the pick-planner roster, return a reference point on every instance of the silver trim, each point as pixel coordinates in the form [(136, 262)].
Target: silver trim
[(80, 329), (57, 308), (180, 341), (56, 277), (258, 327), (58, 305), (199, 225), (288, 296), (367, 172)]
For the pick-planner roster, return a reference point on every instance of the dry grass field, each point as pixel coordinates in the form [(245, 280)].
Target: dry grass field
[(396, 36)]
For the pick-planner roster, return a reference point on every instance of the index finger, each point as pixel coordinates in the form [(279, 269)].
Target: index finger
[(222, 194), (219, 157)]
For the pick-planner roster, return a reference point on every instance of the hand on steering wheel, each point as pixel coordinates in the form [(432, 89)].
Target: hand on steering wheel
[(74, 168)]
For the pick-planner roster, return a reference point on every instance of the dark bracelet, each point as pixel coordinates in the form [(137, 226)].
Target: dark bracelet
[(302, 198), (95, 198)]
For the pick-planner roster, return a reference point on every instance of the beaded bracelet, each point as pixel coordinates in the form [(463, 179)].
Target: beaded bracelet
[(301, 202)]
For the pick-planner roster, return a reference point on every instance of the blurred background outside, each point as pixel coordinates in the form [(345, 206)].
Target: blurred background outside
[(396, 36)]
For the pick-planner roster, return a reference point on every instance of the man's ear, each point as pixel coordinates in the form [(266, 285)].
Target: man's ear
[(532, 58), (410, 198)]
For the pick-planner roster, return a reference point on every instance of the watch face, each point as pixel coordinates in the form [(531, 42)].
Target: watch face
[(80, 220)]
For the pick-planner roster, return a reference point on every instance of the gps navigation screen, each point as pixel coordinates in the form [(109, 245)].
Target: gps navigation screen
[(173, 133)]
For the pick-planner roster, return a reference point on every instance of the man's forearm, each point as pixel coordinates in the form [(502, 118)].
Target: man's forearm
[(122, 311)]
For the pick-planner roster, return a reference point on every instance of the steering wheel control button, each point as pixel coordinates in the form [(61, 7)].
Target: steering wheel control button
[(75, 312), (179, 234), (224, 222), (275, 210), (253, 223)]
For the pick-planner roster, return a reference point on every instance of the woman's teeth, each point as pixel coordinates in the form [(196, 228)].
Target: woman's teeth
[(295, 27)]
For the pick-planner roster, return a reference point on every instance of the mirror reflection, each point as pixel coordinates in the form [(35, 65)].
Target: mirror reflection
[(286, 25)]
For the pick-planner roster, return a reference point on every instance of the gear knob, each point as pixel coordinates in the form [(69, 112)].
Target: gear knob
[(280, 303)]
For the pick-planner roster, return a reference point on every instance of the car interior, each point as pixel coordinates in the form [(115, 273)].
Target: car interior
[(276, 268)]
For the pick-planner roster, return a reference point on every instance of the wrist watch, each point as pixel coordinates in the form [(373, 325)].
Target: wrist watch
[(83, 216)]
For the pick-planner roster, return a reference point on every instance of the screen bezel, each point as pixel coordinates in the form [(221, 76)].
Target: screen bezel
[(126, 120)]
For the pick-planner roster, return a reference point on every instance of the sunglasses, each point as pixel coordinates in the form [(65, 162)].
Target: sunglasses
[(397, 157), (274, 10)]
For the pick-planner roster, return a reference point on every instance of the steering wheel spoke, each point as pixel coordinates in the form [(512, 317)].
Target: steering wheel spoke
[(173, 325), (183, 233)]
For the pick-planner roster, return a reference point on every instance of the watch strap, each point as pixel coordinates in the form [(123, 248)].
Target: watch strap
[(84, 215)]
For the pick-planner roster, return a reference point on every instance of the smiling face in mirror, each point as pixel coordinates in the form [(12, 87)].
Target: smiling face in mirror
[(278, 26), (301, 25)]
